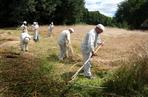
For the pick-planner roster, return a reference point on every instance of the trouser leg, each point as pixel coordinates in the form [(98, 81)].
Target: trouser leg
[(36, 36), (66, 51), (49, 33), (62, 51), (87, 66), (60, 54), (22, 46), (26, 46)]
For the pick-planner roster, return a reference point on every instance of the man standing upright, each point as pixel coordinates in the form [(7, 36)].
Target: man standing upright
[(90, 42), (50, 28), (35, 28), (24, 27), (65, 43)]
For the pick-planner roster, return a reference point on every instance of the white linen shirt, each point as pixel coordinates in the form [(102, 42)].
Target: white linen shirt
[(90, 41), (35, 28), (64, 37)]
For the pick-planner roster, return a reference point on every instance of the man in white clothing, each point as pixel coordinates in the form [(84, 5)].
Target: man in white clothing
[(90, 42), (24, 40), (24, 27), (65, 43), (50, 28), (35, 28)]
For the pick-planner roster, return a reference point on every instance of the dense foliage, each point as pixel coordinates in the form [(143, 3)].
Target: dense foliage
[(96, 17), (15, 12), (132, 13)]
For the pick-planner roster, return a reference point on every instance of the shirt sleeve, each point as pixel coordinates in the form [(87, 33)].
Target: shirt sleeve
[(22, 27), (99, 40), (91, 39), (68, 38)]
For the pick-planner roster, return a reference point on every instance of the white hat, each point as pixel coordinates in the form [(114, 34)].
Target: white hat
[(25, 22), (100, 26), (71, 29), (35, 23)]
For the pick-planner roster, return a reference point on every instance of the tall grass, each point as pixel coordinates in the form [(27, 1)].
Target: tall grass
[(131, 79)]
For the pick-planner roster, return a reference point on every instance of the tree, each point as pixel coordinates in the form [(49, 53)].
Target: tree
[(132, 12), (44, 10), (69, 12), (13, 12), (95, 17)]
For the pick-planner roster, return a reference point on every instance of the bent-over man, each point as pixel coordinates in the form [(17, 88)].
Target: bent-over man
[(24, 40), (65, 43)]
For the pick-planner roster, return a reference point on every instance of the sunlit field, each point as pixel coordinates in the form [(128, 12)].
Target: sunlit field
[(119, 46)]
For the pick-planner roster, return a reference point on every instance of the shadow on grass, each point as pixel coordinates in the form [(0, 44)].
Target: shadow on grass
[(54, 58), (67, 76)]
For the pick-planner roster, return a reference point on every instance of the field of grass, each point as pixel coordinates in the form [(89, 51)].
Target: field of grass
[(43, 75)]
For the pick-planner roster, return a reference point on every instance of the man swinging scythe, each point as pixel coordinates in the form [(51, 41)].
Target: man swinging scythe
[(91, 42)]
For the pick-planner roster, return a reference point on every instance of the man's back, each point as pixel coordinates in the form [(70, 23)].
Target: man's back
[(64, 36), (24, 35)]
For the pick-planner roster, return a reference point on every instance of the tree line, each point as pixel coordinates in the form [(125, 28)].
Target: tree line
[(130, 13), (14, 12)]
